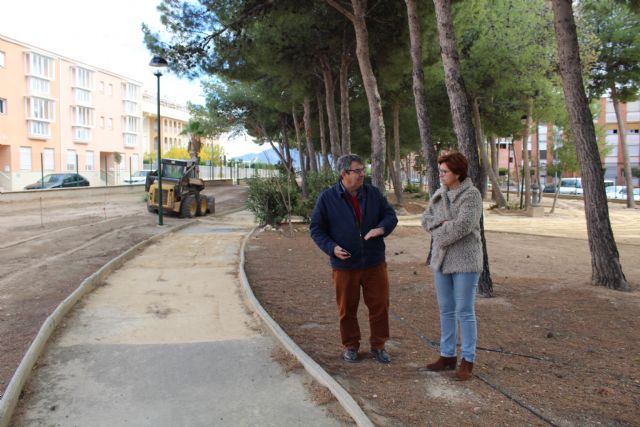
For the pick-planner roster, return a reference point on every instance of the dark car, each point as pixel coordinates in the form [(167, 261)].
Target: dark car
[(59, 180), (549, 188)]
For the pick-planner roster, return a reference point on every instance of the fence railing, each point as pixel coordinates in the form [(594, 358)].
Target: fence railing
[(16, 181)]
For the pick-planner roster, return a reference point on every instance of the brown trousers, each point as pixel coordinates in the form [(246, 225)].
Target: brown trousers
[(375, 291)]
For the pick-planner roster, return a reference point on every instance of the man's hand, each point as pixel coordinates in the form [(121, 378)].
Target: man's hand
[(341, 253), (374, 232)]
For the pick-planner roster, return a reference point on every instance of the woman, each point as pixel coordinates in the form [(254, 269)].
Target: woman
[(453, 219)]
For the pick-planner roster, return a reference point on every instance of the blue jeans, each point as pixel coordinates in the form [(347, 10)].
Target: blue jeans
[(456, 299)]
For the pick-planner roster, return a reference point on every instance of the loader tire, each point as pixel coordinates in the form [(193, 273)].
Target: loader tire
[(201, 200), (188, 207)]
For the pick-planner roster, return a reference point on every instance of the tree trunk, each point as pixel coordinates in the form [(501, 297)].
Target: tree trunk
[(323, 136), (285, 137), (345, 120), (303, 169), (376, 120), (395, 170), (461, 114), (495, 186), (606, 269), (526, 167), (306, 105), (428, 150), (494, 166), (394, 174), (622, 137), (195, 144), (329, 90), (536, 165)]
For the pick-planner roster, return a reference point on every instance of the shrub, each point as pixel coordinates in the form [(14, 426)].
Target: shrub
[(317, 182), (412, 188), (269, 199)]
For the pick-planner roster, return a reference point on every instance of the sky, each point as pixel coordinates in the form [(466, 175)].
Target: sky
[(106, 35)]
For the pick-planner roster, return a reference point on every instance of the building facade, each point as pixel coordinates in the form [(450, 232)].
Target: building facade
[(544, 137), (61, 115)]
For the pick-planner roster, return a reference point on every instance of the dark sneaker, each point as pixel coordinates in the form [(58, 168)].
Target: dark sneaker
[(350, 355), (381, 355)]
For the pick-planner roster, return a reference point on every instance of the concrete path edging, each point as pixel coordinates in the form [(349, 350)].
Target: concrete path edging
[(20, 377), (311, 366)]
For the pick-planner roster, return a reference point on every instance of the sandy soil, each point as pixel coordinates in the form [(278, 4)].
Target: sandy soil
[(553, 350), (49, 247)]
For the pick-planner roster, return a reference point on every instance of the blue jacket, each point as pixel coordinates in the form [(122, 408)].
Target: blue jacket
[(334, 222)]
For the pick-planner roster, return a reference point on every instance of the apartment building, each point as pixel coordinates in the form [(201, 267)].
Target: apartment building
[(544, 136), (61, 115), (174, 118)]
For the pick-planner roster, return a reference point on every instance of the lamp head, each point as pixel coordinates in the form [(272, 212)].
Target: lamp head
[(523, 119), (158, 63)]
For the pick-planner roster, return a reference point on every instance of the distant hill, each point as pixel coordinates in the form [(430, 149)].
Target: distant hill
[(267, 156)]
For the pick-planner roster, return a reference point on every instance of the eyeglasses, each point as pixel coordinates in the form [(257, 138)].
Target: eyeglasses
[(359, 171), (443, 172)]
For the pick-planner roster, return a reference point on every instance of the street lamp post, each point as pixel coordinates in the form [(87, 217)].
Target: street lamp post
[(159, 63)]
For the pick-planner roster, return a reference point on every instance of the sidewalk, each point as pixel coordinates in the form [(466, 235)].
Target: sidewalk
[(168, 341)]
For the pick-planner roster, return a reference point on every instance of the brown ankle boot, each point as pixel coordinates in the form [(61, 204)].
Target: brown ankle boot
[(464, 371), (443, 364)]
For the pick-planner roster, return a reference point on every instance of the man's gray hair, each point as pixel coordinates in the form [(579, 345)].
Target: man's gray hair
[(344, 162)]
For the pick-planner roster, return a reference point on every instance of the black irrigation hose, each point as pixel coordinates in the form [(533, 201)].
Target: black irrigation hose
[(523, 405), (516, 401), (435, 345)]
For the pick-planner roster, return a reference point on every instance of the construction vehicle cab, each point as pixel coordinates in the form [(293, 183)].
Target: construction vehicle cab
[(181, 190)]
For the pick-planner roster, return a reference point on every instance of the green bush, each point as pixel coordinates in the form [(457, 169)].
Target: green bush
[(502, 171), (317, 182), (412, 188), (268, 198)]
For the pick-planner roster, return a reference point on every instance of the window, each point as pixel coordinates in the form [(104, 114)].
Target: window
[(110, 89), (131, 91), (83, 116), (38, 85), (130, 139), (110, 123), (40, 108), (82, 96), (88, 160), (101, 86), (2, 59), (3, 106), (71, 160), (612, 131), (81, 134), (25, 158), (47, 157), (102, 122), (130, 107), (131, 124), (39, 129), (83, 78), (40, 65)]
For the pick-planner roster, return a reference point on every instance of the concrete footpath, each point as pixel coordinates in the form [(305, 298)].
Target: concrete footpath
[(169, 341)]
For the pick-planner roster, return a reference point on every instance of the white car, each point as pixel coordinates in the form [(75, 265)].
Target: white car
[(138, 177), (621, 194)]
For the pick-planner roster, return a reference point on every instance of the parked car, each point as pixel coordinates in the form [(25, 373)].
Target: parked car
[(574, 185), (549, 188), (59, 180), (622, 193), (138, 177)]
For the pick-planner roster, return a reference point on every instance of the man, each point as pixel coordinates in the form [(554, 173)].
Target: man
[(349, 223)]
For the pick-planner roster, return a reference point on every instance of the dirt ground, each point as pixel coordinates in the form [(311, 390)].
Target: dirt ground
[(553, 349), (50, 246)]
